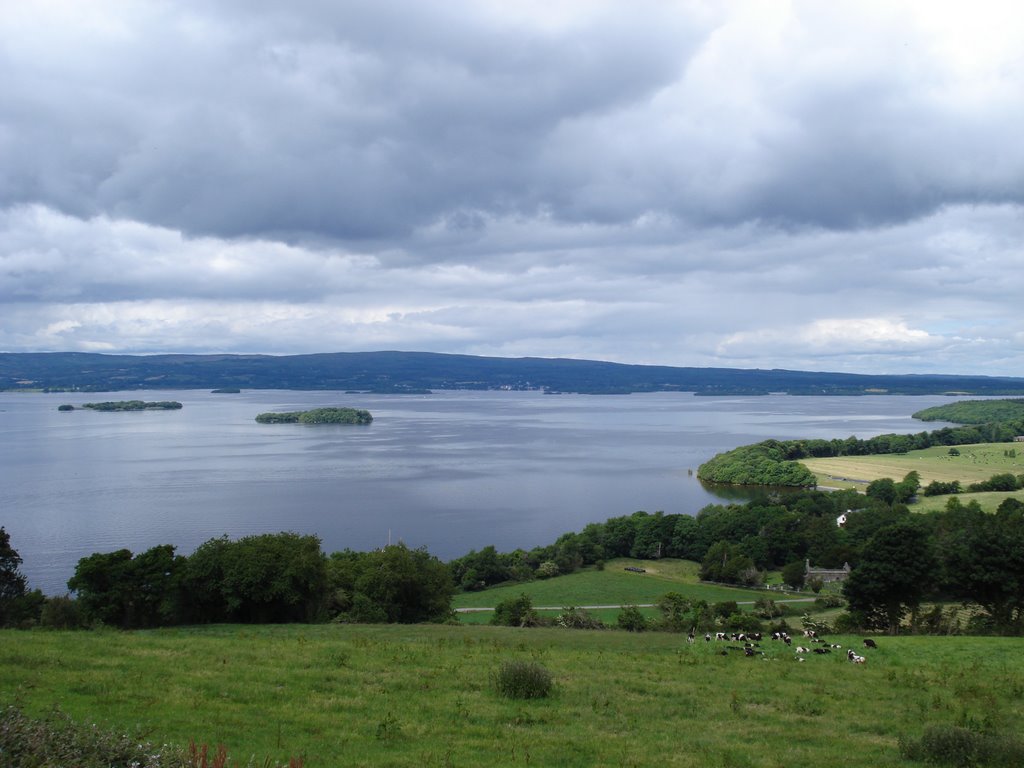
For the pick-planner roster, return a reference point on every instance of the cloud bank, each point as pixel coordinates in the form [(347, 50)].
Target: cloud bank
[(756, 184)]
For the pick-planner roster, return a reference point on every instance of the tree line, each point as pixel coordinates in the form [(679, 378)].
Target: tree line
[(899, 562), (268, 578)]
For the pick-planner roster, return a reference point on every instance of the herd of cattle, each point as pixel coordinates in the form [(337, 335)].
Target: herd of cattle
[(752, 644)]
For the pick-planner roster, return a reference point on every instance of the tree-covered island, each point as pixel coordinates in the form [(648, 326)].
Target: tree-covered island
[(318, 416), (133, 405)]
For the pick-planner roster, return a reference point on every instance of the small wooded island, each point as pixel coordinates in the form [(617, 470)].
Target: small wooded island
[(128, 405), (318, 416)]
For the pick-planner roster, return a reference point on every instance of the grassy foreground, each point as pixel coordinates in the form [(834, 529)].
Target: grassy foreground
[(405, 696)]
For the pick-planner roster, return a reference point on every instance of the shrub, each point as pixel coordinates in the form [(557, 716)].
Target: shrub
[(578, 618), (547, 569), (829, 601), (56, 740), (766, 608), (515, 612), (523, 680), (631, 620), (962, 747), (61, 612)]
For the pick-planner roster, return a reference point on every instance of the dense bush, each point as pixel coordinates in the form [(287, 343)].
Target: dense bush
[(963, 748), (56, 741), (631, 620), (578, 618), (515, 612), (523, 680)]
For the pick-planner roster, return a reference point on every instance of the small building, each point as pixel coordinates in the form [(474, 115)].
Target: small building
[(1019, 439), (827, 575)]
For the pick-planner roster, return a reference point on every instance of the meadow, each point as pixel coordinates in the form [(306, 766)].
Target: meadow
[(348, 695), (973, 464), (614, 586)]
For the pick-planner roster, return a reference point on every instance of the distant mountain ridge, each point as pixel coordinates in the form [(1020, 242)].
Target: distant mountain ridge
[(405, 372)]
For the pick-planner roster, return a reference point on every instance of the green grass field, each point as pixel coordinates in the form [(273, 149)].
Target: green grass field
[(616, 586), (420, 696)]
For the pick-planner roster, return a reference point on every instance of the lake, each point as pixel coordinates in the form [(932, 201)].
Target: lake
[(452, 471)]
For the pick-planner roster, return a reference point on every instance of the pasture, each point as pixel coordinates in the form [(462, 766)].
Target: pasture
[(975, 463), (343, 695), (616, 586)]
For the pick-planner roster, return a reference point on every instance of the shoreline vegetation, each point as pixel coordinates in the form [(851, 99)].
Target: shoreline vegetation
[(318, 416)]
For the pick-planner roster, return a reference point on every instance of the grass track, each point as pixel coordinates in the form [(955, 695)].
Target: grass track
[(419, 696)]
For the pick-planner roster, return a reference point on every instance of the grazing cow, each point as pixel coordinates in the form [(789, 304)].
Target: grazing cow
[(787, 640), (756, 636), (869, 643), (810, 633), (707, 637), (721, 636), (689, 638), (854, 657)]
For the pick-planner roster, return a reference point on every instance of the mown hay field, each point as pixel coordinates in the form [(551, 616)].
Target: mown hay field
[(342, 695), (975, 463)]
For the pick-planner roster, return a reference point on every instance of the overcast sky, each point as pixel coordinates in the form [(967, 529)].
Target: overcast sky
[(808, 185)]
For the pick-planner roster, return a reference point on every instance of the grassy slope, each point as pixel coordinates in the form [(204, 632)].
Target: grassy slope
[(613, 586), (419, 696)]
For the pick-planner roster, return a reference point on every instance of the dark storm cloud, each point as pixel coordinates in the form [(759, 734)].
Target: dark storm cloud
[(346, 121), (351, 120)]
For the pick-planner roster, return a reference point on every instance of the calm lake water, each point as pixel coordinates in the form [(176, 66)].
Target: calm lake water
[(454, 471)]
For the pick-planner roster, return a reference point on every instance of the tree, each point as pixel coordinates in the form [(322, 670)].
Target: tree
[(896, 571), (725, 562), (883, 489), (103, 587), (793, 574), (406, 585), (12, 583), (514, 612), (984, 557), (631, 619), (122, 590), (908, 487), (676, 612), (274, 577)]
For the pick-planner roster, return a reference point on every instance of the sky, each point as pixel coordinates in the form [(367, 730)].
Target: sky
[(830, 186)]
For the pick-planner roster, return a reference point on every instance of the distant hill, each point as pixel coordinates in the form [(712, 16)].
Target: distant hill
[(404, 372)]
